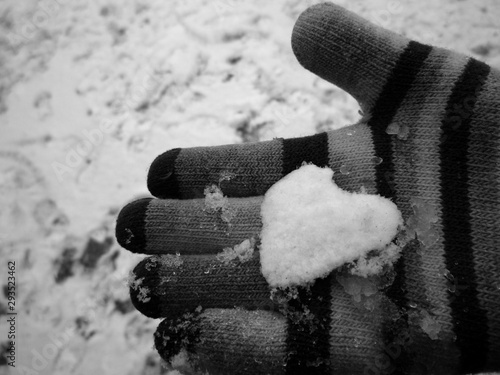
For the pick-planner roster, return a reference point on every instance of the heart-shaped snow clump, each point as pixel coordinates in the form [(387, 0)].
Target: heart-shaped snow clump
[(311, 226)]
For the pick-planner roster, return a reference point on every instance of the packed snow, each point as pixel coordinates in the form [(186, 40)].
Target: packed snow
[(429, 325), (400, 130), (216, 202), (376, 262), (311, 227), (242, 252), (421, 224), (357, 286)]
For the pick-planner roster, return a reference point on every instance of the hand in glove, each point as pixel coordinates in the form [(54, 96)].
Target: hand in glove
[(431, 131)]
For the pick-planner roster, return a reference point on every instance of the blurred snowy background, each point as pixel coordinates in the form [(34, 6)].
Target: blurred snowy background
[(92, 90)]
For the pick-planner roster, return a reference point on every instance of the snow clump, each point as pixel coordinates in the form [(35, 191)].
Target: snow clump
[(242, 251), (311, 227), (215, 201)]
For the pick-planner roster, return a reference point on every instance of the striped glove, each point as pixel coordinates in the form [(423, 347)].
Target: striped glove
[(431, 132)]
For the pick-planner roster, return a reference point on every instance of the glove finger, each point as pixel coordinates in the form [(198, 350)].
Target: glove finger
[(249, 169), (348, 51), (226, 341), (169, 285), (155, 226), (341, 338)]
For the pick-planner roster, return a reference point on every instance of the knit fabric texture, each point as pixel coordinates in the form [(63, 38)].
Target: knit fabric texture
[(445, 151)]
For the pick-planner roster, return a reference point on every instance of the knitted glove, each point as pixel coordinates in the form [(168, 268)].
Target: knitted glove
[(431, 131)]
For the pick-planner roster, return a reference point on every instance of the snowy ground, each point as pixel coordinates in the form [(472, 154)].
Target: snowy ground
[(91, 91)]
